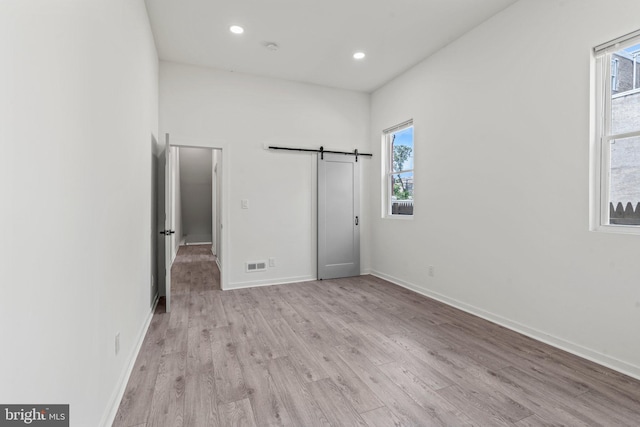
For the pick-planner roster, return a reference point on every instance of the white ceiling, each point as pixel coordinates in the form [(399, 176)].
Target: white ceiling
[(317, 38)]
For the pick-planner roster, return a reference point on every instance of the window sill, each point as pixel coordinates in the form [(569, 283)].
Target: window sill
[(618, 229), (400, 217)]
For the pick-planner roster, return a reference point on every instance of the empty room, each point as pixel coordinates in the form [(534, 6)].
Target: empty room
[(304, 212)]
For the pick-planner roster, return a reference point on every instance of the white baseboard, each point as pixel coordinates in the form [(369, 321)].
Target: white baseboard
[(112, 409), (218, 263), (269, 282), (560, 343)]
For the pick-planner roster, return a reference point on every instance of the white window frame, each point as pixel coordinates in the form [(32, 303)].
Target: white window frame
[(600, 150), (615, 64), (388, 172)]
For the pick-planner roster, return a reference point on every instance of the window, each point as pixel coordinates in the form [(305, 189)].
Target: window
[(398, 170), (616, 150)]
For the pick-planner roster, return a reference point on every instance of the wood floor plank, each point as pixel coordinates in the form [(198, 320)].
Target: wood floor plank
[(447, 370), (382, 417), (353, 388), (176, 341), (274, 304), (401, 404), (135, 404), (348, 352), (199, 350), (304, 359), (179, 316), (303, 318), (542, 404), (238, 324), (247, 299), (237, 414), (474, 347), (229, 380), (483, 412), (332, 403), (267, 406), (198, 306), (539, 389), (167, 405), (294, 394), (270, 346), (215, 309), (537, 421), (616, 414), (201, 408), (439, 408)]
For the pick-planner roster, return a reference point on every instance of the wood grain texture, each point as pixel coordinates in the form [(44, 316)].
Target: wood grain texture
[(237, 414), (357, 351)]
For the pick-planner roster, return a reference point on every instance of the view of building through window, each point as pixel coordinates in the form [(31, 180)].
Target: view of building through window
[(624, 155), (400, 174)]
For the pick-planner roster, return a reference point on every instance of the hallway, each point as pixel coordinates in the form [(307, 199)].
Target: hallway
[(175, 359)]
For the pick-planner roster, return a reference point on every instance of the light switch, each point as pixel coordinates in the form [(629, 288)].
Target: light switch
[(245, 204)]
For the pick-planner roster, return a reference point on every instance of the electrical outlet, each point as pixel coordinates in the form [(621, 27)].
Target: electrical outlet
[(272, 262), (432, 272), (117, 343), (245, 204)]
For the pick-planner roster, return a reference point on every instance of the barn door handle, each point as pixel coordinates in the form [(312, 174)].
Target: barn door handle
[(357, 221)]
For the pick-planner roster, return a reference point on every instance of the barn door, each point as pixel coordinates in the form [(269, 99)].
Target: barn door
[(338, 216)]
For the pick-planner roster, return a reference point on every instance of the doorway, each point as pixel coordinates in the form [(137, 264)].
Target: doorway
[(192, 206), (194, 197)]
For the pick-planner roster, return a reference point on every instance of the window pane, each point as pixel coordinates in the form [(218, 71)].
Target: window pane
[(402, 194), (625, 99), (624, 182), (402, 148)]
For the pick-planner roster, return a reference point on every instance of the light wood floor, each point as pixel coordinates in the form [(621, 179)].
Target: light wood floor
[(349, 352)]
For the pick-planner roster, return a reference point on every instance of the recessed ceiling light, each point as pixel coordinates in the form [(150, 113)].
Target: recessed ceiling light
[(359, 55), (236, 29)]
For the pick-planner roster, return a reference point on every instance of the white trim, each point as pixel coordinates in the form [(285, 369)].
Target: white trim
[(568, 346), (625, 135), (600, 145), (616, 44), (387, 166), (398, 127), (618, 229), (270, 282), (627, 93), (399, 216), (112, 410), (225, 229)]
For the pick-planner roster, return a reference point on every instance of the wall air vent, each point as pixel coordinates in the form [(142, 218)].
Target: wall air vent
[(254, 266)]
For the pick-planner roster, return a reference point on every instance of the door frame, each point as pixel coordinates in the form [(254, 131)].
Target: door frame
[(224, 235)]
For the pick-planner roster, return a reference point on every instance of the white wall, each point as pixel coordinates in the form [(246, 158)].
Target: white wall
[(196, 172), (78, 101), (502, 127), (244, 113)]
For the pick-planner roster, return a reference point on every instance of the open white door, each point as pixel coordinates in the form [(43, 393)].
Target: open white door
[(167, 232), (338, 216)]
